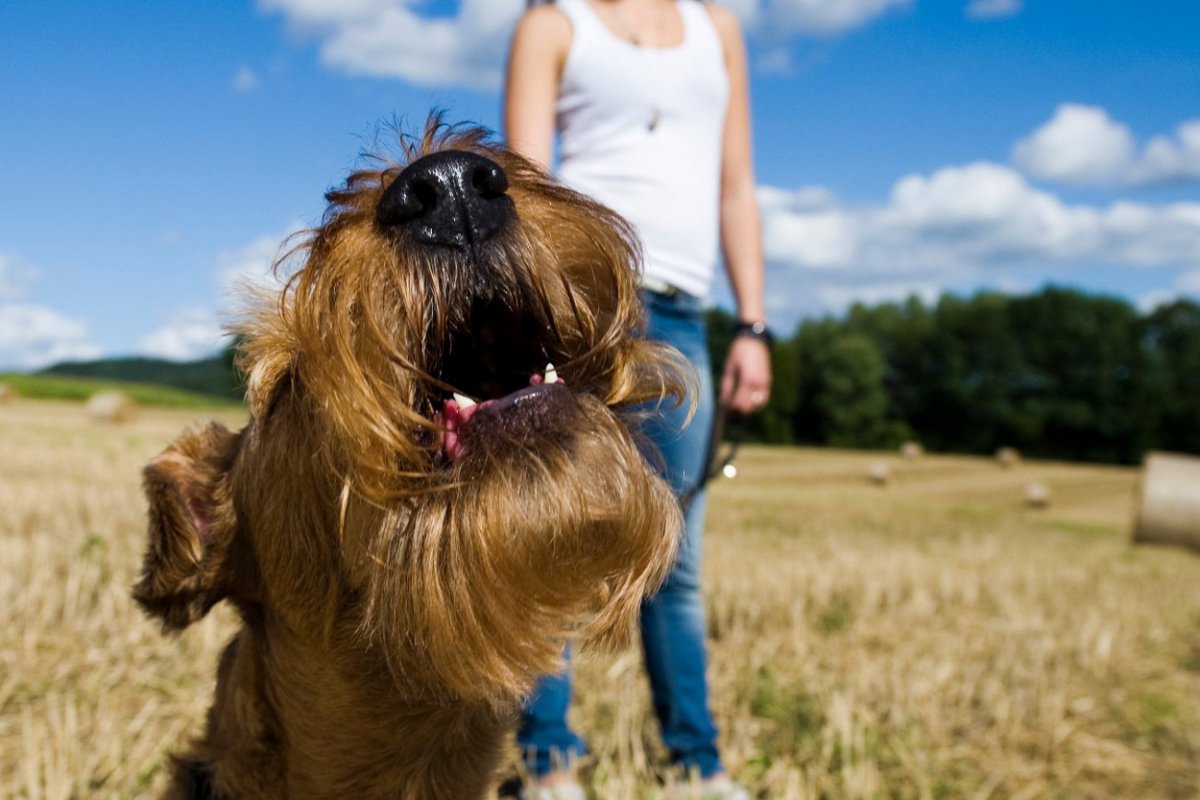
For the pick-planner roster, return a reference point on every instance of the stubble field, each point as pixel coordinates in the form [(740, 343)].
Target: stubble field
[(929, 639)]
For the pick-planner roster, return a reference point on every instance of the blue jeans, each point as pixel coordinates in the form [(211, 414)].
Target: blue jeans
[(672, 621)]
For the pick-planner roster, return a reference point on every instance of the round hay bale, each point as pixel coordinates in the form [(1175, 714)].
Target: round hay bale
[(912, 450), (7, 394), (110, 407), (1008, 457), (1037, 495), (879, 473), (1167, 508)]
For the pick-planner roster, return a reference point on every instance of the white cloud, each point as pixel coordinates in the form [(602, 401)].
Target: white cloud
[(994, 9), (1084, 145), (809, 227), (774, 61), (33, 336), (955, 227), (980, 213), (390, 38), (252, 265), (1081, 144), (1187, 284), (393, 39), (1167, 158), (15, 276), (782, 19), (191, 335), (1153, 299), (245, 80), (241, 272)]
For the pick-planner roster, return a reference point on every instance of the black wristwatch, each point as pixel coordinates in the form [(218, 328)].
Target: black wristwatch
[(754, 330)]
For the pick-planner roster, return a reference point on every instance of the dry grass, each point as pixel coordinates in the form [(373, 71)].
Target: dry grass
[(930, 638)]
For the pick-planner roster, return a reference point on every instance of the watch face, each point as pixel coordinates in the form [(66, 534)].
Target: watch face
[(755, 330)]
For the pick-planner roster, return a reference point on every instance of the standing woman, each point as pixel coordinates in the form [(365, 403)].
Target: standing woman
[(650, 102)]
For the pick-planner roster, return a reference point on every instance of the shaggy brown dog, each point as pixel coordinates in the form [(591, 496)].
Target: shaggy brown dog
[(406, 563)]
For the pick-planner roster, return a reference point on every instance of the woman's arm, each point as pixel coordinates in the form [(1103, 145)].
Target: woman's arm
[(746, 382), (535, 60)]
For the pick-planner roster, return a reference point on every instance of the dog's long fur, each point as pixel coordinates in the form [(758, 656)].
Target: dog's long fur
[(396, 604)]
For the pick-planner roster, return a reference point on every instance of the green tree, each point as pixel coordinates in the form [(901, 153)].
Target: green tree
[(849, 396), (1168, 402), (1078, 388), (810, 345), (904, 334)]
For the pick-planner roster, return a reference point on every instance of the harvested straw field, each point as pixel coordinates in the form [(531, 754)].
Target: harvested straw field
[(931, 638)]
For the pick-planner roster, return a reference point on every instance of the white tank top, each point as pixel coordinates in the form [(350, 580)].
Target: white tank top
[(640, 130)]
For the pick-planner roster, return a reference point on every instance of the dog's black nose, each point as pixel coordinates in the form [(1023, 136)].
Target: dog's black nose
[(452, 199)]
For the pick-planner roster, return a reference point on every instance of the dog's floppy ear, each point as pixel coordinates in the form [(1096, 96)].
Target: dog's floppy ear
[(192, 523)]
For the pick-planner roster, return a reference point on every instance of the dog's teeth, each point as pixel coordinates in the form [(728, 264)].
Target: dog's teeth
[(463, 401), (551, 374)]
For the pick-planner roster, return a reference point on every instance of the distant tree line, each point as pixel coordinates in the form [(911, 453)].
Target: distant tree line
[(1057, 374), (215, 376)]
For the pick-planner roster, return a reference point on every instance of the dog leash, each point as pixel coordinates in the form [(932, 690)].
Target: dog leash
[(715, 462)]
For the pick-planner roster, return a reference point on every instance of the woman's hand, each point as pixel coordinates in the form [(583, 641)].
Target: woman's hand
[(746, 382)]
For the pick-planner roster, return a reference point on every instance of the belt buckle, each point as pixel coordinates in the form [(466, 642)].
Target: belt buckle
[(667, 290)]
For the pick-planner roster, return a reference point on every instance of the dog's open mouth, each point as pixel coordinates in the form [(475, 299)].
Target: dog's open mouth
[(458, 411), (494, 363)]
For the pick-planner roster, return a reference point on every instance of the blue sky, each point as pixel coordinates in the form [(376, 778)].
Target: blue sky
[(155, 152)]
